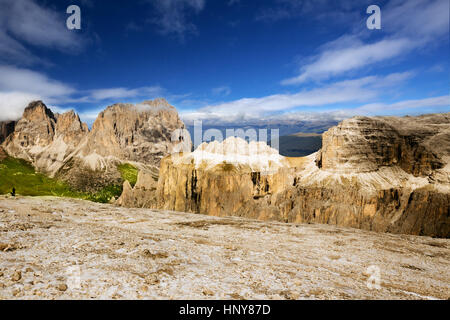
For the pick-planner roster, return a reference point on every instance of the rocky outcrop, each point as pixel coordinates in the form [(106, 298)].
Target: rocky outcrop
[(141, 133), (138, 134), (3, 154), (424, 211), (200, 183), (70, 128), (363, 144), (143, 195), (383, 174)]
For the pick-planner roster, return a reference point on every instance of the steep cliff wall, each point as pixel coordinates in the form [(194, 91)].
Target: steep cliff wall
[(364, 144), (380, 174)]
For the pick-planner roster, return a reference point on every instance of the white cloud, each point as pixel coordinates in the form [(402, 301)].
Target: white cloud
[(26, 22), (120, 93), (406, 106), (356, 90), (336, 61), (13, 79), (12, 104), (406, 26), (172, 15), (20, 86), (442, 101), (223, 91), (421, 19)]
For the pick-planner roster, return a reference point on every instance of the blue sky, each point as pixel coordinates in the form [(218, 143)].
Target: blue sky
[(227, 61)]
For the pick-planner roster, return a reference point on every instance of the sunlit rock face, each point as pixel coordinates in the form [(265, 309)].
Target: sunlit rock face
[(221, 178), (138, 134), (364, 144), (384, 174), (141, 133), (143, 194)]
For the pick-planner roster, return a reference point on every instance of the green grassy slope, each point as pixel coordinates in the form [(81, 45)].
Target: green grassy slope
[(22, 176), (128, 173)]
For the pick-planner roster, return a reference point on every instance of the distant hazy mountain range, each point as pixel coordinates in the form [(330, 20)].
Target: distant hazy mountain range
[(296, 138), (300, 144)]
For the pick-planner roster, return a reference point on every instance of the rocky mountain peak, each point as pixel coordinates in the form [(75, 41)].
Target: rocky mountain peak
[(38, 111), (35, 130), (158, 102), (45, 138), (70, 127), (134, 132)]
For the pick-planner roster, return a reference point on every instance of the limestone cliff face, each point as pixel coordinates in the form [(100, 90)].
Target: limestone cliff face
[(225, 189), (70, 128), (138, 134), (363, 144), (141, 133), (382, 174)]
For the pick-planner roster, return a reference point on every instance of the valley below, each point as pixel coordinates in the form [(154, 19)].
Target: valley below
[(60, 248)]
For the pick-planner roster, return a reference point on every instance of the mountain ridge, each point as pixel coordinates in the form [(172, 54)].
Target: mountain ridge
[(63, 147)]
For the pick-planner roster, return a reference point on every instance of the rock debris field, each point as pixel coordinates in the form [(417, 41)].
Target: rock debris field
[(54, 248)]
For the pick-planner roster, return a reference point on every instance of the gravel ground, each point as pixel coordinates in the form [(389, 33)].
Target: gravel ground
[(53, 248)]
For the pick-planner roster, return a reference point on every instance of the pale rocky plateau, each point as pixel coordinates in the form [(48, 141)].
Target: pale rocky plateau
[(56, 248)]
